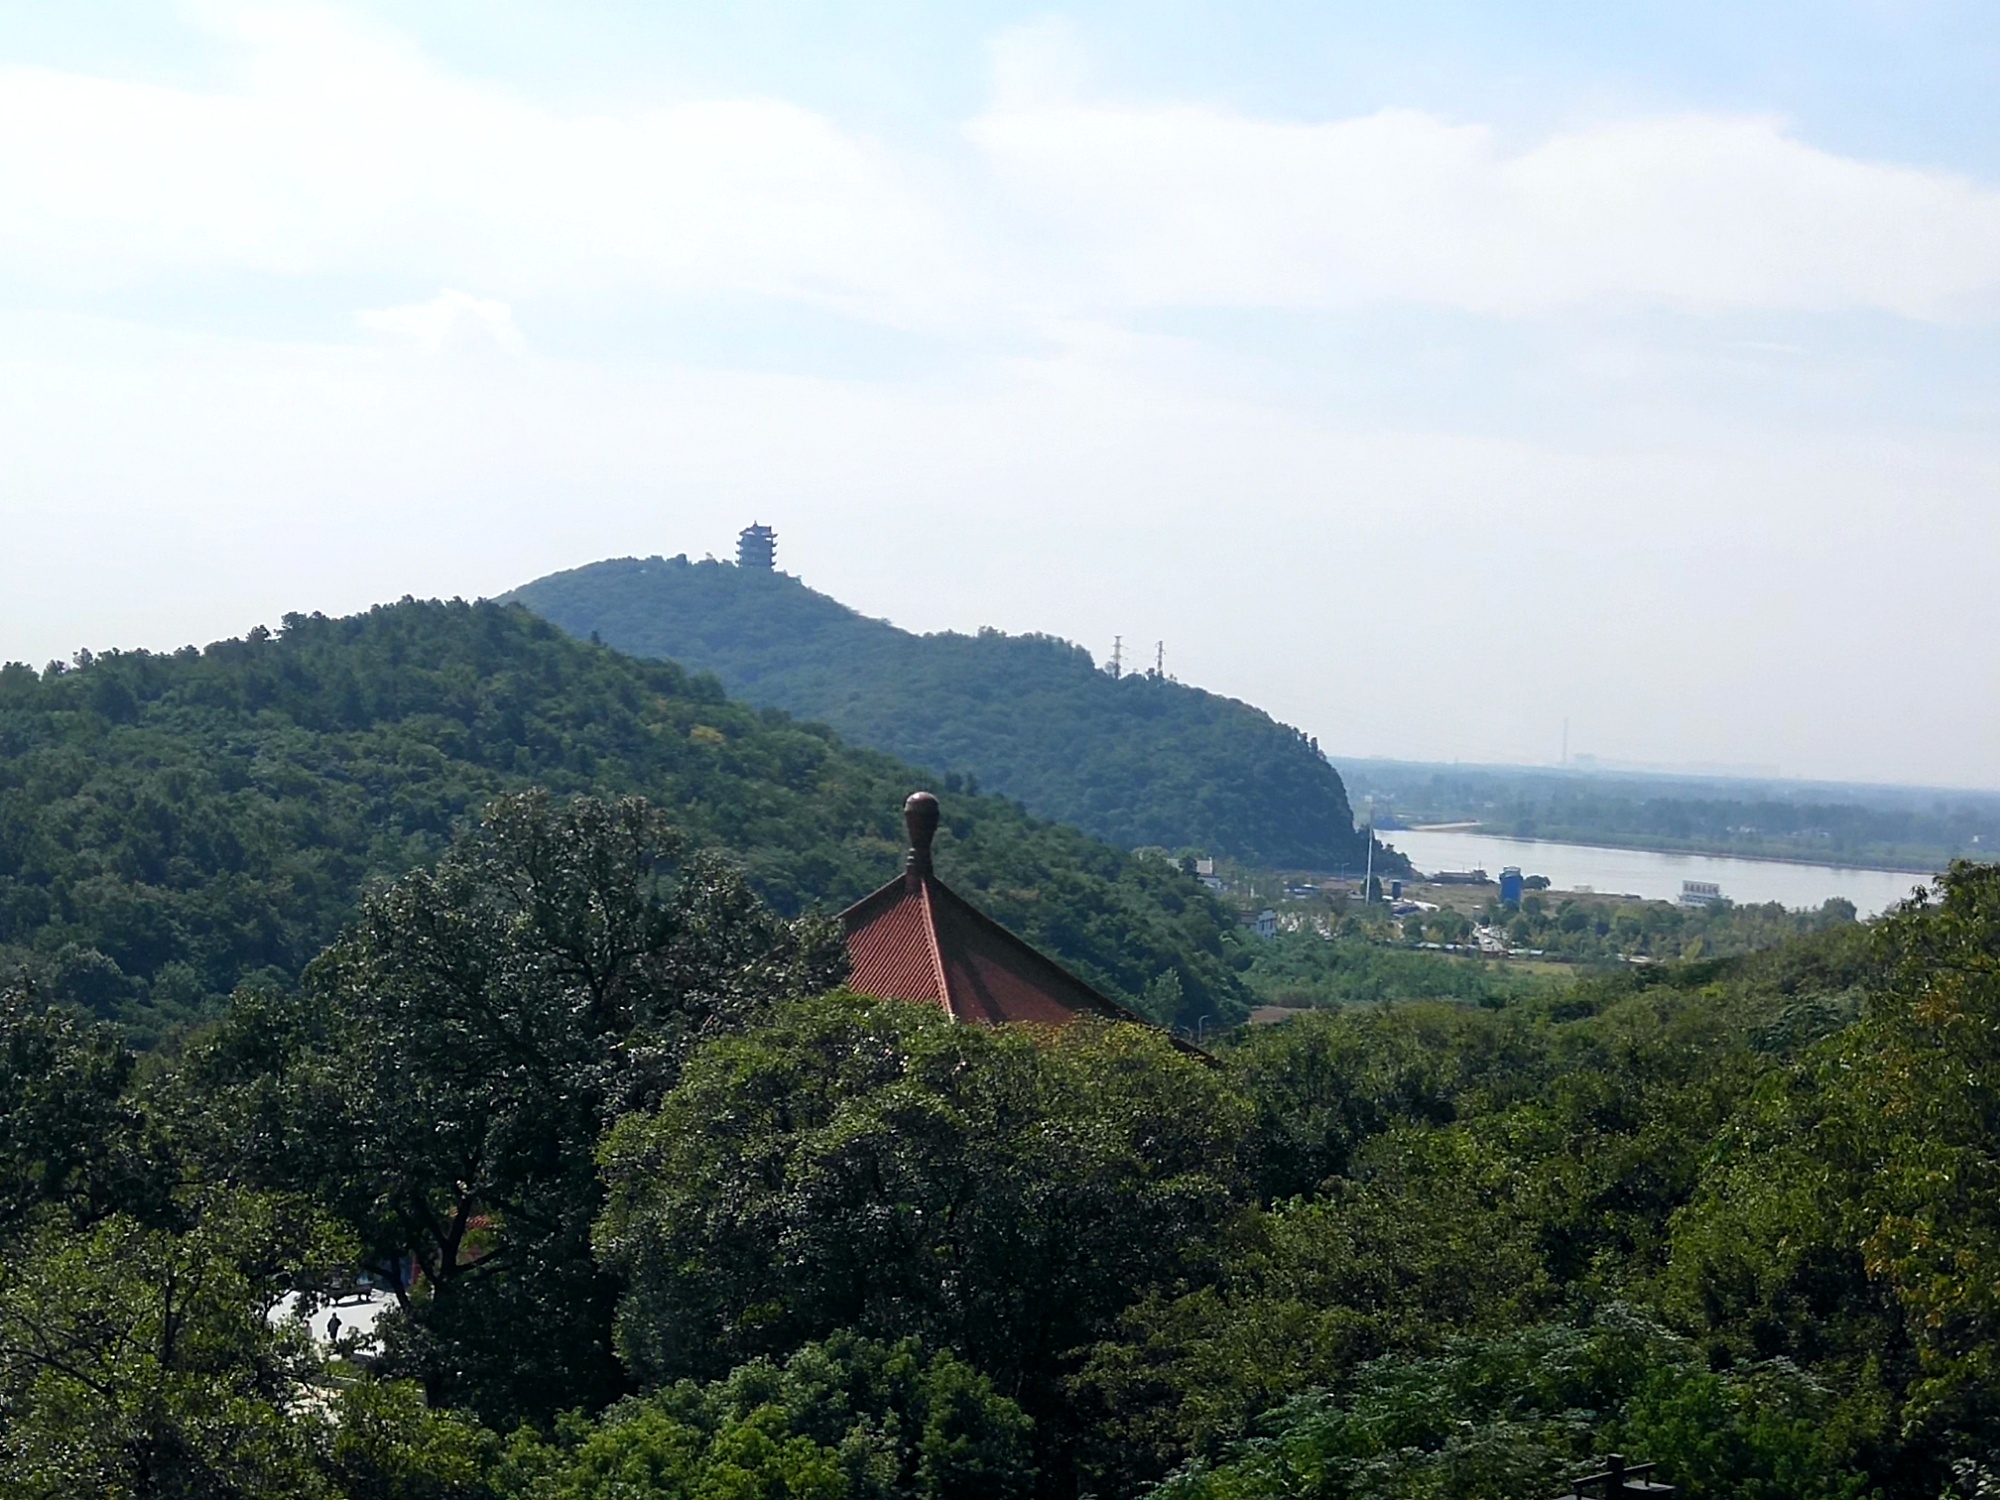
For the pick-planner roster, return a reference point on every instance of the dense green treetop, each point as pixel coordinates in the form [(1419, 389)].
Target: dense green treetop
[(1138, 760), (661, 1218), (171, 824), (1519, 1413), (869, 1165), (1736, 1216), (848, 1419)]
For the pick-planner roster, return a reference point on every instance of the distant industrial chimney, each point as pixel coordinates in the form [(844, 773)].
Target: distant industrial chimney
[(757, 547)]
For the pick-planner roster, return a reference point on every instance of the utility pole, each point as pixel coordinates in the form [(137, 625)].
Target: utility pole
[(1117, 657), (1160, 659)]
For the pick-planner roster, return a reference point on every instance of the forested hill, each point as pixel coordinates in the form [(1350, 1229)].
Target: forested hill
[(1138, 760), (171, 825)]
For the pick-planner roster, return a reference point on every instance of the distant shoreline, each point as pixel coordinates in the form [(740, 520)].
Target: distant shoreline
[(1709, 851)]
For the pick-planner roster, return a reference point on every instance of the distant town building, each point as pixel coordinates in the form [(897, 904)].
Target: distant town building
[(757, 547), (1510, 886), (1265, 924), (1700, 893)]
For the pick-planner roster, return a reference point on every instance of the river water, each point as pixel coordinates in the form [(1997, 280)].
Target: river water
[(1641, 872)]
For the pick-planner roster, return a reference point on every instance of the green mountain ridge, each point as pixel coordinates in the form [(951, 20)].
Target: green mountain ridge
[(1138, 760), (172, 825), (644, 1209)]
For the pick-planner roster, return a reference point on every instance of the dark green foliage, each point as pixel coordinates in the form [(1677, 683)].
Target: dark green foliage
[(851, 1418), (868, 1165), (1325, 1084), (1586, 930), (1459, 1170), (388, 1444), (1849, 1220), (136, 1360), (1138, 760), (1498, 1418), (717, 1234), (68, 1135), (173, 825), (1300, 969), (461, 1049)]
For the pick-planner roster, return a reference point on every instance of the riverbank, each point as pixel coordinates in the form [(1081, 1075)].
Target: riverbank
[(1658, 874), (1843, 825), (1903, 864)]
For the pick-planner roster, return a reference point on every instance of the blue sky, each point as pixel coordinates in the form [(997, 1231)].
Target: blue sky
[(1428, 374)]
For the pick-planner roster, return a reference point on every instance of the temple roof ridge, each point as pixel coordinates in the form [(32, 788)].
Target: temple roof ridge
[(916, 939)]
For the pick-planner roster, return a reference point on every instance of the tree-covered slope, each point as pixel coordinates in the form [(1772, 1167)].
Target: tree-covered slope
[(1138, 760), (173, 824)]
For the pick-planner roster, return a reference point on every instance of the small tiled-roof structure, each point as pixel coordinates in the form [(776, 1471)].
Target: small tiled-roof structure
[(916, 940)]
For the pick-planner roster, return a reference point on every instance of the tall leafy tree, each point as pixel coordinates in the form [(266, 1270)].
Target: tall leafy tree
[(462, 1047), (848, 1419), (69, 1135), (138, 1360), (872, 1166), (1513, 1414), (1852, 1218)]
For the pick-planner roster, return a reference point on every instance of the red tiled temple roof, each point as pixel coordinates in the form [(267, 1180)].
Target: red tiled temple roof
[(916, 940)]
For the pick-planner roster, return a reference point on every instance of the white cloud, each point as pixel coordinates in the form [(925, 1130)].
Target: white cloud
[(450, 320), (1037, 65), (1603, 484), (1192, 206), (1421, 592), (340, 151)]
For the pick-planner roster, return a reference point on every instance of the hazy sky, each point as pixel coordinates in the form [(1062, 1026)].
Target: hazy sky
[(1425, 373)]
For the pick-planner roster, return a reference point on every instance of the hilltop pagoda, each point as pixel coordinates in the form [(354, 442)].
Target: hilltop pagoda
[(757, 547), (916, 940)]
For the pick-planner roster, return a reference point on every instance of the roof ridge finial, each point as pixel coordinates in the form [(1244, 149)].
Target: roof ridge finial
[(920, 816)]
